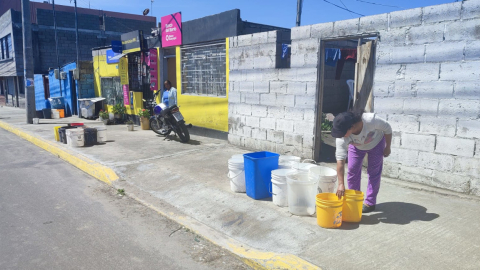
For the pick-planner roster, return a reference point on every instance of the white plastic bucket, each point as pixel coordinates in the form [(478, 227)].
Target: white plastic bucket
[(302, 192), (236, 174), (101, 134), (327, 178), (280, 187), (75, 137), (288, 161), (237, 156), (36, 121)]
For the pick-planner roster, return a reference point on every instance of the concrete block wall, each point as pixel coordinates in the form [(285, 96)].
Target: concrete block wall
[(272, 108), (427, 85)]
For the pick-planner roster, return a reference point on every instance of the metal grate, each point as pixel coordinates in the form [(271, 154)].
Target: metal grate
[(204, 70), (111, 90), (139, 75)]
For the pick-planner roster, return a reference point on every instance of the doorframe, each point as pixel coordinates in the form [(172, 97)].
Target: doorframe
[(320, 85)]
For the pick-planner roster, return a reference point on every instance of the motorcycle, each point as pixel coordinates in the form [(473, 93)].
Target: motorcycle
[(165, 120)]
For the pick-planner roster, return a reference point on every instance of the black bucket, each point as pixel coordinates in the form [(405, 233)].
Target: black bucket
[(39, 114), (63, 134), (90, 136), (47, 113)]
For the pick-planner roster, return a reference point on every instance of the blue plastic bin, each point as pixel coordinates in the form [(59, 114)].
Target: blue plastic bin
[(258, 173)]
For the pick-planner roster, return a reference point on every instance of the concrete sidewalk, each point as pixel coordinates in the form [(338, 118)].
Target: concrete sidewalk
[(412, 228)]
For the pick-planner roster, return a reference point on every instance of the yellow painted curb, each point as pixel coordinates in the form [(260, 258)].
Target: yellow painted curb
[(252, 257), (87, 165)]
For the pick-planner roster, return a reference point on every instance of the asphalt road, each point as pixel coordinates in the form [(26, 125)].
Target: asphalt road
[(53, 216)]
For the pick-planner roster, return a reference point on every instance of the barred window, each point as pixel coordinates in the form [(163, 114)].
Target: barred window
[(111, 90), (203, 70)]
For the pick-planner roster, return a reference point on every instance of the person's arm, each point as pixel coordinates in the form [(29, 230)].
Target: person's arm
[(384, 126), (388, 140), (341, 154), (341, 178)]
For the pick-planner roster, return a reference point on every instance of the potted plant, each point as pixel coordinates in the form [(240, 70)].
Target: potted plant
[(104, 116), (130, 125), (144, 119), (119, 110)]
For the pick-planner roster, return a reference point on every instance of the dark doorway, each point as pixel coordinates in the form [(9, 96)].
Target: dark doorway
[(73, 86)]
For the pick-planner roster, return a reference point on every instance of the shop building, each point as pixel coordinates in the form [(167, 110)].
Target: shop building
[(198, 68)]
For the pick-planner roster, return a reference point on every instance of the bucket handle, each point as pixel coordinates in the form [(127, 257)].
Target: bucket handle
[(312, 161), (231, 178), (270, 189)]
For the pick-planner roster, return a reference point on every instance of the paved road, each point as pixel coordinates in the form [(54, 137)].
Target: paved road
[(54, 216)]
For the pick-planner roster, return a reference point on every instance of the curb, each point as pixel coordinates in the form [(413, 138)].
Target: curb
[(87, 165), (252, 257)]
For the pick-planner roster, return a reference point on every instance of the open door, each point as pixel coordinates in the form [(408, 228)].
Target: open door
[(365, 66)]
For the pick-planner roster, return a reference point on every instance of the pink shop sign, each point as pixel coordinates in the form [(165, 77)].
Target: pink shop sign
[(172, 30), (126, 99)]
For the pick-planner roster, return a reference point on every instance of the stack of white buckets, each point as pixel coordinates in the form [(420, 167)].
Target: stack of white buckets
[(294, 184)]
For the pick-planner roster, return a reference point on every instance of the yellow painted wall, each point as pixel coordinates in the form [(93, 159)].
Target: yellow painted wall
[(203, 111)]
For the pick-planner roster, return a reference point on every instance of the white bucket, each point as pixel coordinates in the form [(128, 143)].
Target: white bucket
[(75, 137), (237, 156), (236, 174), (36, 121), (101, 134), (55, 114), (327, 178), (288, 161), (280, 187), (302, 192)]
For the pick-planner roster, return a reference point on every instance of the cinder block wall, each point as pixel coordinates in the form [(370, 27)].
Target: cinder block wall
[(272, 109), (427, 85)]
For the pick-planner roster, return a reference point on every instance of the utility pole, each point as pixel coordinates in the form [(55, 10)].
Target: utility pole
[(76, 37), (299, 11), (56, 47), (28, 62)]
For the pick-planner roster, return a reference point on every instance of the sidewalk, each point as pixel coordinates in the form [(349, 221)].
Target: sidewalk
[(412, 228)]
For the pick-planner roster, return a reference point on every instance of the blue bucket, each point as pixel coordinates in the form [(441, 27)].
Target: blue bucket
[(258, 173)]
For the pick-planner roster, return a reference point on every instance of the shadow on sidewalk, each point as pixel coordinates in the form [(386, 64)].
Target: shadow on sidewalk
[(175, 138), (399, 213)]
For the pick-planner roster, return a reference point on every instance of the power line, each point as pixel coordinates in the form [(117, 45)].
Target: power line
[(346, 8), (343, 8), (371, 3)]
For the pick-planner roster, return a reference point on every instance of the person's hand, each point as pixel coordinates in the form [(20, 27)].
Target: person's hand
[(340, 190), (387, 152)]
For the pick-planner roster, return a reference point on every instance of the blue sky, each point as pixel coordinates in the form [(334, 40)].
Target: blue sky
[(273, 12)]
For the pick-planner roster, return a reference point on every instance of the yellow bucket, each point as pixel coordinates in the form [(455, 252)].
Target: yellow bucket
[(352, 205), (329, 210), (57, 136)]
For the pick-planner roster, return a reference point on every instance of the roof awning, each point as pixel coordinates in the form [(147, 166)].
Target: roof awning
[(117, 57)]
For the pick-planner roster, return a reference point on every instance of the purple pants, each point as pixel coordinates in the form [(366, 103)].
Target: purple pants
[(375, 166)]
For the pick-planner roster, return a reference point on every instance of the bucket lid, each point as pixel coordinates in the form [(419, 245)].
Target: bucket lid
[(101, 128), (289, 158), (76, 131), (303, 166), (237, 156), (282, 172)]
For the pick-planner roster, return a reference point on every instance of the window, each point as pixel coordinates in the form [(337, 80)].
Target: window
[(6, 50), (204, 70), (111, 90)]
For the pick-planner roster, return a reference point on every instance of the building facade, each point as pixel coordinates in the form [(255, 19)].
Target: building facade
[(95, 28)]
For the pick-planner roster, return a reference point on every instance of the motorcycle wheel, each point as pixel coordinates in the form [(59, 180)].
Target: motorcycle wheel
[(157, 126), (183, 133)]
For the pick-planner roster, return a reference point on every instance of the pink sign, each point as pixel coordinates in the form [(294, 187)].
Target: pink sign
[(153, 70), (172, 30), (126, 99)]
